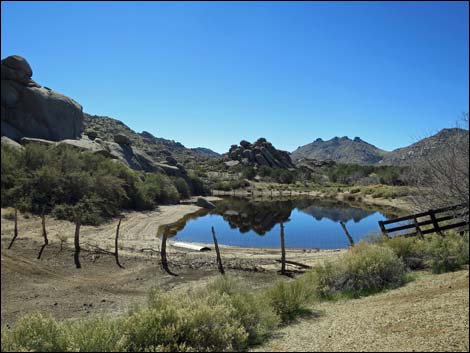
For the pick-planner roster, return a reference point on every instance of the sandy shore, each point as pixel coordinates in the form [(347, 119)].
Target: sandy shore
[(429, 314), (55, 286)]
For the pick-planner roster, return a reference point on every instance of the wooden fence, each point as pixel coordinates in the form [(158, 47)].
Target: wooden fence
[(456, 217)]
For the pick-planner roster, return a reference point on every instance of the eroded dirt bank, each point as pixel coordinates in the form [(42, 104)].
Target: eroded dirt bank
[(54, 285)]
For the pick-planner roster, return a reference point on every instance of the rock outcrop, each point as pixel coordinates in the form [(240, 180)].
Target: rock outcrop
[(261, 153), (29, 110)]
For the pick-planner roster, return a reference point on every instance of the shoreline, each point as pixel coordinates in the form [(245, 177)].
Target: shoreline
[(53, 285)]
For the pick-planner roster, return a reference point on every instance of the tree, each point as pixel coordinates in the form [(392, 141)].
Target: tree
[(442, 178)]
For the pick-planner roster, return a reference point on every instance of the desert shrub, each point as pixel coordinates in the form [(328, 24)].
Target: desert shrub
[(410, 250), (362, 270), (36, 333), (56, 179), (290, 299), (182, 187), (197, 186), (252, 310), (213, 327), (440, 254), (94, 335), (153, 329), (444, 254), (248, 172), (203, 324), (371, 268), (325, 280), (283, 176), (232, 185)]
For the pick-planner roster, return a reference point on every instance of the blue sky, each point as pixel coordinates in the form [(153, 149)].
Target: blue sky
[(211, 74)]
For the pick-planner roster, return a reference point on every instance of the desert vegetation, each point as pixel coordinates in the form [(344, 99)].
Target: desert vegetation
[(65, 183), (226, 315)]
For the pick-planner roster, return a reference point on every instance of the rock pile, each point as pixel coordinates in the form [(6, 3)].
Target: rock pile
[(29, 110), (260, 153)]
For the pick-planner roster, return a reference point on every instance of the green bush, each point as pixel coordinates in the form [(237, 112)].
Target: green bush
[(57, 179), (181, 324), (410, 250), (449, 253), (362, 270), (231, 185), (182, 187), (35, 333), (252, 310), (290, 299), (440, 254), (371, 268), (94, 335)]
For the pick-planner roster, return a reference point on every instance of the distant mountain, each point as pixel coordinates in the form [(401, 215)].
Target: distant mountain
[(206, 152), (345, 150), (430, 146), (341, 150)]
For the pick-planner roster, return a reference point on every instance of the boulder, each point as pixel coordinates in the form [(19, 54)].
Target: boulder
[(92, 134), (122, 139), (204, 203), (170, 170), (29, 110), (85, 145), (181, 168), (19, 65), (147, 135), (261, 160), (171, 161), (30, 140), (245, 144)]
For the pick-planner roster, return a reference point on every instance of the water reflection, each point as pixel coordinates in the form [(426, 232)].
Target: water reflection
[(262, 216), (256, 223)]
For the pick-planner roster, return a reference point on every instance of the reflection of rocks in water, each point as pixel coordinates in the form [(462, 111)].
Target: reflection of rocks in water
[(171, 229), (259, 216), (335, 211)]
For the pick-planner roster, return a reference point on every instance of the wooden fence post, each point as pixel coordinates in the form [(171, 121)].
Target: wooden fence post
[(219, 259), (44, 234), (15, 234), (283, 251), (435, 223), (116, 248), (163, 254), (76, 255), (418, 229), (382, 228), (350, 239)]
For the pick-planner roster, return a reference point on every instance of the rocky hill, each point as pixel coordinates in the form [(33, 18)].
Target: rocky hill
[(260, 153), (159, 149), (341, 150), (429, 147), (345, 150), (34, 114), (29, 110)]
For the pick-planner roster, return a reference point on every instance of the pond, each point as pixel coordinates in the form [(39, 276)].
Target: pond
[(307, 223)]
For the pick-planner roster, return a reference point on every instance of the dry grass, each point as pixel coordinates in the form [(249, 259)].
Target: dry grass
[(429, 314)]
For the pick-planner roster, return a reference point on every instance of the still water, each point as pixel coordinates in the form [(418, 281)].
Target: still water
[(307, 223)]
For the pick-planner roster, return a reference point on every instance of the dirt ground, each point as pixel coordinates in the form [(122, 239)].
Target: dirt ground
[(55, 286), (429, 314)]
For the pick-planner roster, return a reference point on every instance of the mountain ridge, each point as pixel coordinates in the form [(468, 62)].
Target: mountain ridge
[(346, 150)]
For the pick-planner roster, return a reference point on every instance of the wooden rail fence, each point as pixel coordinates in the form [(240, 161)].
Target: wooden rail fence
[(455, 216)]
